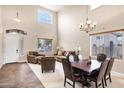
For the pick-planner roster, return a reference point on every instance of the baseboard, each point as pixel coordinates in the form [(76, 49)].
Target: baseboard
[(117, 74), (22, 60)]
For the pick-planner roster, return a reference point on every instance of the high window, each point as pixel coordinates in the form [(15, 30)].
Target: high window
[(44, 17)]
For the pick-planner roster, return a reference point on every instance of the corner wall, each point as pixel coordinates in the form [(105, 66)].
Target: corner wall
[(108, 18), (1, 38), (29, 24), (70, 36)]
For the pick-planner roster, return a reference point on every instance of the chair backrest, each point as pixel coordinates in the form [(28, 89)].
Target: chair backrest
[(33, 53), (109, 67), (101, 57), (67, 69), (47, 62), (102, 70)]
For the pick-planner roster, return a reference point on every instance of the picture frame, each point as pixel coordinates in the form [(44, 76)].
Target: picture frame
[(44, 45)]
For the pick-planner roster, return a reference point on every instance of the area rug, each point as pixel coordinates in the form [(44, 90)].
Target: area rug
[(56, 79), (52, 79), (18, 75)]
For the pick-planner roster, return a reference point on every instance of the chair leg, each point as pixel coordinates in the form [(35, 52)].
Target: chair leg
[(96, 84), (82, 83), (73, 84), (65, 82), (110, 77), (103, 83), (105, 80), (53, 70), (42, 70), (83, 80)]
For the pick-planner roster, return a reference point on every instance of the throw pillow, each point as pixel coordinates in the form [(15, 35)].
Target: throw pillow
[(59, 53), (63, 53)]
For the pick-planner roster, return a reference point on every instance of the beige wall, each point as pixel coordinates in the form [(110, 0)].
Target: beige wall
[(69, 35), (107, 17), (28, 15), (0, 37)]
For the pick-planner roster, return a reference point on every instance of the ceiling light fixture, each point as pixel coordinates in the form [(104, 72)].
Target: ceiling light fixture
[(17, 19), (88, 25)]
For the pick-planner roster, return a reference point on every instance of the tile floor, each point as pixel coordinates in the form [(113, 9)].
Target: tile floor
[(56, 79)]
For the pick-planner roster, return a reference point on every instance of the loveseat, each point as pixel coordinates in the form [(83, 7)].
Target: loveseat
[(63, 55), (32, 57)]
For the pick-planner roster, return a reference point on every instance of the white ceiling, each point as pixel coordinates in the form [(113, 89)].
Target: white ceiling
[(57, 8), (94, 6), (54, 8)]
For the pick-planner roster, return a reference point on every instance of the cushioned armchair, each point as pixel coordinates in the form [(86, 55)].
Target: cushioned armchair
[(32, 57), (47, 63)]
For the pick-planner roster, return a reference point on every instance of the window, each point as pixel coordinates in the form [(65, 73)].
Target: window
[(44, 17), (109, 43), (44, 45)]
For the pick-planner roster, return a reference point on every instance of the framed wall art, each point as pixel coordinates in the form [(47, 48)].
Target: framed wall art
[(44, 45)]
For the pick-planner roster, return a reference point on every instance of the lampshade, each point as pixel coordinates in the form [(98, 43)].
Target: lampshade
[(17, 19)]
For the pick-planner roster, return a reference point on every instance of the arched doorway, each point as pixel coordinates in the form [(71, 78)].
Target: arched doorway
[(14, 45)]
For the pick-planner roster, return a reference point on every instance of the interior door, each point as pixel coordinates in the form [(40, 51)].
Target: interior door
[(12, 48)]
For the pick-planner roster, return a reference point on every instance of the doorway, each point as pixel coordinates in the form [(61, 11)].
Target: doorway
[(14, 47)]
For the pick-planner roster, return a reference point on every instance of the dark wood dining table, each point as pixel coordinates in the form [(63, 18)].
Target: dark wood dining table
[(86, 68)]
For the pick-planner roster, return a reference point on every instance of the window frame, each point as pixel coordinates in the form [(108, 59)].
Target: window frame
[(107, 32), (44, 17)]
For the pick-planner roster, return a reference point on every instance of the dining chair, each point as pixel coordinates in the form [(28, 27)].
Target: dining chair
[(101, 57), (108, 71), (99, 75), (69, 74)]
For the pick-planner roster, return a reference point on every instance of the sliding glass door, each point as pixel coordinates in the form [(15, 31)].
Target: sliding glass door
[(108, 43)]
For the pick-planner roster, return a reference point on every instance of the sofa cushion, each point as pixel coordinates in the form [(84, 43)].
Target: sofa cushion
[(73, 52), (59, 53), (30, 53), (63, 53), (61, 57), (33, 53)]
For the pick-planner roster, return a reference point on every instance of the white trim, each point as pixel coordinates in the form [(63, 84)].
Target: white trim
[(117, 74), (22, 61), (94, 7), (1, 66)]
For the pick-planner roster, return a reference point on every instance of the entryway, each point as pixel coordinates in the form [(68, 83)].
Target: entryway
[(14, 46)]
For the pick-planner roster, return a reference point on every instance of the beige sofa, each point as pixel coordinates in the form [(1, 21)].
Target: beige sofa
[(32, 57), (63, 55)]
